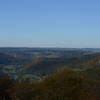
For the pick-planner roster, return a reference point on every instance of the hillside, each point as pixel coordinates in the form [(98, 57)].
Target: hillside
[(35, 63), (54, 76), (46, 66), (6, 59), (65, 85), (93, 73)]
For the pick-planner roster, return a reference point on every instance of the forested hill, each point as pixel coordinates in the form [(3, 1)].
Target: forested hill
[(64, 85), (49, 75), (32, 63), (46, 66), (6, 59)]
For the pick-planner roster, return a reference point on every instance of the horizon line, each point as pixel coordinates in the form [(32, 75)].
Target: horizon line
[(50, 47)]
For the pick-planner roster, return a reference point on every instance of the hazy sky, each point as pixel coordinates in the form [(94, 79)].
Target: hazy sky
[(50, 23)]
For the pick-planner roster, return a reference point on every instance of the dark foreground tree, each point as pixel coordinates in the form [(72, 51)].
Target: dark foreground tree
[(5, 89)]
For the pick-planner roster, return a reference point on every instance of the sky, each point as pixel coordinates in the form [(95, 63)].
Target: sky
[(50, 23)]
